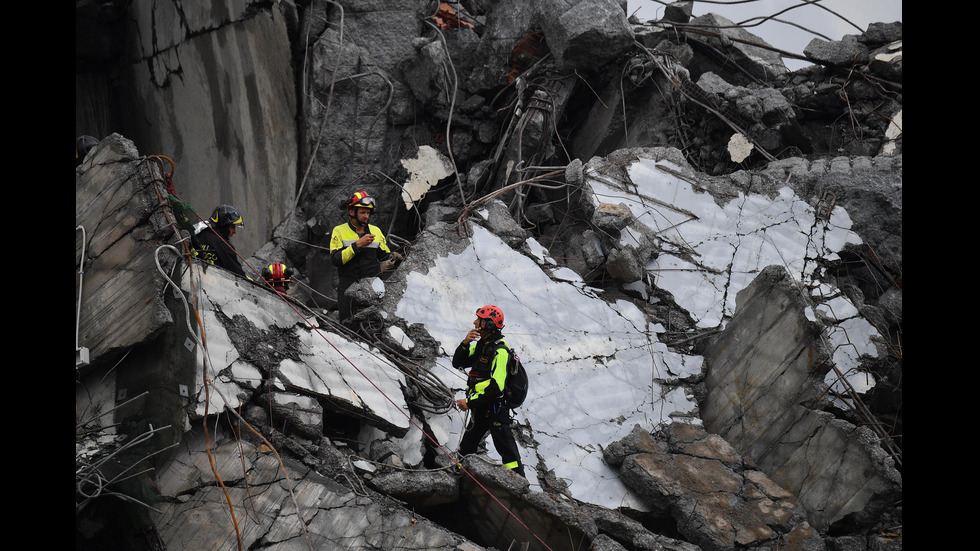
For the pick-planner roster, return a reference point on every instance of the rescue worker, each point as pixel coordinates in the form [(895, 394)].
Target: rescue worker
[(278, 276), (358, 249), (484, 351), (212, 244)]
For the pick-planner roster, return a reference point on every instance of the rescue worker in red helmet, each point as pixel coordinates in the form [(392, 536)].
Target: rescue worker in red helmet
[(484, 351), (358, 249), (213, 243), (278, 276)]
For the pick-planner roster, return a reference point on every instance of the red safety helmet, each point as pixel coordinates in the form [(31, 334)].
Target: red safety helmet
[(278, 275), (492, 313), (361, 199)]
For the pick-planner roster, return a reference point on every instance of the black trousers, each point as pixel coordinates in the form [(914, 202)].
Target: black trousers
[(496, 421), (345, 306)]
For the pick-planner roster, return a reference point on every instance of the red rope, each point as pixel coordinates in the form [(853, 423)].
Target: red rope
[(398, 407)]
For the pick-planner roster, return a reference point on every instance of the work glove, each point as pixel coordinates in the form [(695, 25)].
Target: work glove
[(391, 263)]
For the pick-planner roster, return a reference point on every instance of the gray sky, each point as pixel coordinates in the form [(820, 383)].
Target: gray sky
[(786, 36)]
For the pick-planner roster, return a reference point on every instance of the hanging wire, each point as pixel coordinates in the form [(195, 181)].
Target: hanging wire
[(90, 483), (207, 386), (855, 403), (452, 106), (208, 367), (326, 113), (81, 272)]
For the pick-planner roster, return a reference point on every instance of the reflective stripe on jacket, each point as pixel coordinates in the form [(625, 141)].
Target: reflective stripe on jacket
[(488, 370), (215, 249), (353, 263)]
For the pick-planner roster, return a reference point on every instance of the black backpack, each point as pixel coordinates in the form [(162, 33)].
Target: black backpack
[(515, 389)]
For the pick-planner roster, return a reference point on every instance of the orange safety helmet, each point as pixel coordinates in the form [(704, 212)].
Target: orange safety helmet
[(492, 313)]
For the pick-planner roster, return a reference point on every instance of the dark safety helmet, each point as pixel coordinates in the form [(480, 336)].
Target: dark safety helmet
[(492, 313), (361, 199), (226, 215)]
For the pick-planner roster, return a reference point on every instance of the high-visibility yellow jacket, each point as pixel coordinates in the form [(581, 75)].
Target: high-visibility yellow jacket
[(487, 361), (353, 263)]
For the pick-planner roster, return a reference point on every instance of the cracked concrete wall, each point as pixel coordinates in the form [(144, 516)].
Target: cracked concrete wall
[(212, 88), (119, 216), (771, 359), (124, 320)]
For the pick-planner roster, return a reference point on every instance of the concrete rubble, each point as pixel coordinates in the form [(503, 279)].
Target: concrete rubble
[(720, 500), (284, 430)]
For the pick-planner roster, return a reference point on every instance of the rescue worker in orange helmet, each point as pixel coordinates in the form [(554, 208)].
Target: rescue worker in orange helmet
[(484, 351)]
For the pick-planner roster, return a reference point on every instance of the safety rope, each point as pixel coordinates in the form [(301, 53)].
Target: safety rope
[(207, 401), (398, 407), (168, 183), (316, 330)]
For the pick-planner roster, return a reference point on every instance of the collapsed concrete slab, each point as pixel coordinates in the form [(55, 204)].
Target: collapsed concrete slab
[(120, 223), (258, 499), (260, 349), (418, 489), (771, 357), (585, 34), (506, 512), (249, 326)]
